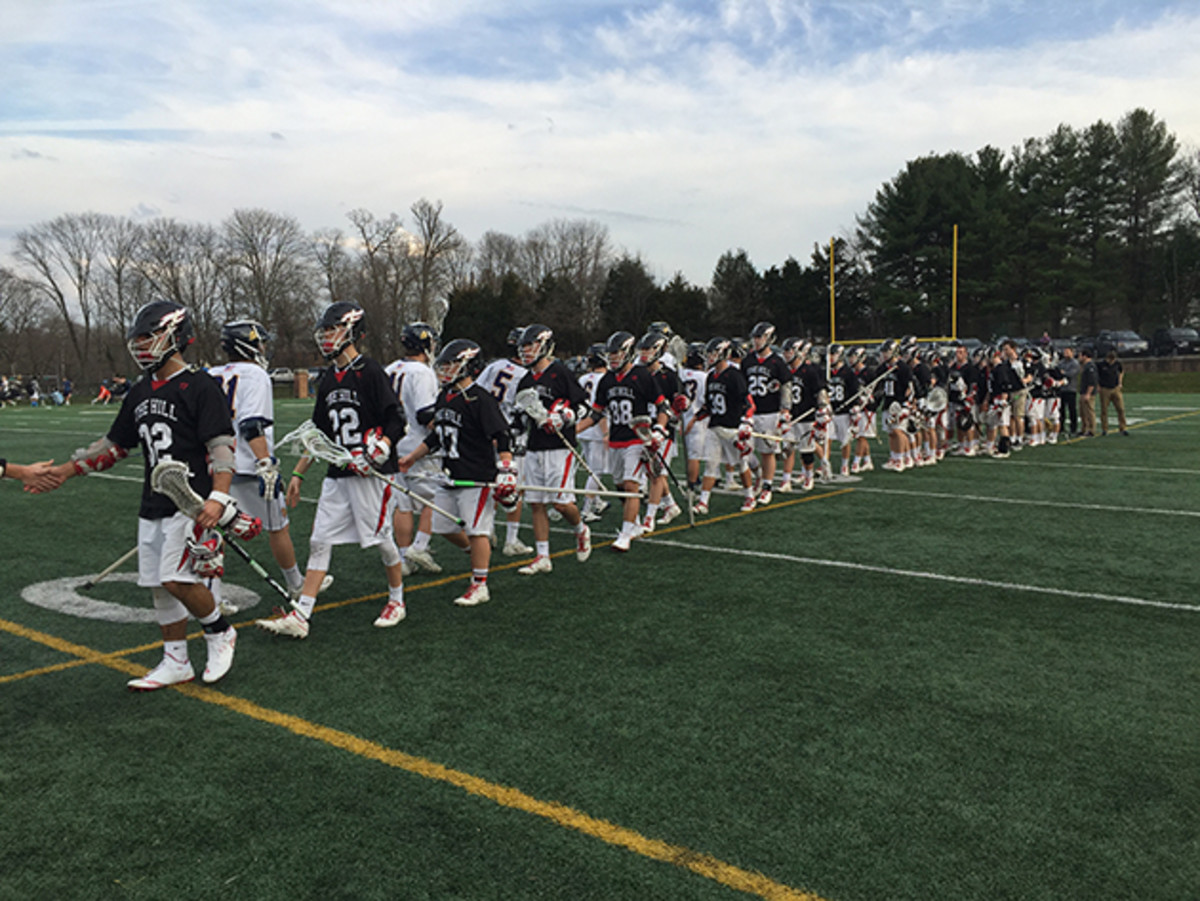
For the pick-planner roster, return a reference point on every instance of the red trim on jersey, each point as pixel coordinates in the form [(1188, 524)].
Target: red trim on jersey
[(484, 493)]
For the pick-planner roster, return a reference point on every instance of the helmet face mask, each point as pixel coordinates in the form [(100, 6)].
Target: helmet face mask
[(418, 338), (536, 344), (246, 340), (762, 335), (341, 325), (717, 350), (160, 330), (651, 347)]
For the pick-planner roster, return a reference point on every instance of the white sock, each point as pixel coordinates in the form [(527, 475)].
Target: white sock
[(305, 605), (542, 548), (421, 541), (293, 576), (511, 531), (396, 593), (176, 650)]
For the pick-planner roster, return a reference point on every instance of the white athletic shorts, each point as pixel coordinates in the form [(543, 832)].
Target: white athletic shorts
[(595, 452), (722, 450), (416, 480), (353, 510), (1035, 409), (162, 544), (767, 424), (800, 435), (551, 469), (1053, 410), (999, 415), (273, 513), (841, 428), (474, 505), (628, 465)]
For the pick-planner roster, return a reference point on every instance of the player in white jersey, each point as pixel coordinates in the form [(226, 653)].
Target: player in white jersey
[(416, 387), (500, 379), (694, 375), (256, 486), (593, 443)]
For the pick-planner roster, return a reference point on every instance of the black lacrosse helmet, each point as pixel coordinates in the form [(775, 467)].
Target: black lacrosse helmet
[(619, 350), (460, 359), (169, 323), (418, 338), (340, 325), (246, 339)]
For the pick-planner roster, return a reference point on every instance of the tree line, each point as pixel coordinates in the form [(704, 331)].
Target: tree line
[(1068, 233)]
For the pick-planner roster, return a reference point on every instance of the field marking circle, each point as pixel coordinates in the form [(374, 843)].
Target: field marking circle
[(63, 596)]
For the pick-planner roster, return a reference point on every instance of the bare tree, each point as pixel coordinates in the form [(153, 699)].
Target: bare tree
[(436, 253), (497, 255), (120, 286), (578, 250), (22, 308), (61, 254)]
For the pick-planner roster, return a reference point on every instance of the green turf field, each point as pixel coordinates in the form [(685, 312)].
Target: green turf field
[(979, 680)]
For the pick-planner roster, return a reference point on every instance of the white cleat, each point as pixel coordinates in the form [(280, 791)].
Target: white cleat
[(621, 543), (700, 509), (748, 503), (476, 594), (393, 614), (294, 593), (220, 653), (538, 565), (291, 624), (785, 487), (764, 496), (517, 548), (168, 672), (669, 513), (583, 544), (423, 560)]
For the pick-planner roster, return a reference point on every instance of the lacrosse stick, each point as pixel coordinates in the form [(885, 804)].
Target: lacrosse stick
[(104, 573), (448, 482), (641, 426), (170, 478), (316, 444), (531, 405)]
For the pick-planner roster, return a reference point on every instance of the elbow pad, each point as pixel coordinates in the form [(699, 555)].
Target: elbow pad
[(98, 456), (425, 415), (220, 453), (255, 427)]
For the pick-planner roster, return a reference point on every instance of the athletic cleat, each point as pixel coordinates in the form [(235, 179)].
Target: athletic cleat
[(669, 513), (645, 528), (601, 506), (583, 544), (538, 565), (168, 672), (764, 496), (291, 623), (220, 653), (392, 614), (554, 515), (476, 594), (294, 593), (517, 548), (590, 516), (866, 465), (807, 484), (785, 487), (228, 608), (423, 560), (406, 569), (748, 503), (893, 466), (700, 508), (621, 543)]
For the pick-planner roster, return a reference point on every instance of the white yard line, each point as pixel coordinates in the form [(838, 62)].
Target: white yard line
[(1183, 472), (918, 574), (1060, 505)]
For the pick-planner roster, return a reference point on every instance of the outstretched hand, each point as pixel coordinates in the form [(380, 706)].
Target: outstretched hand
[(38, 478)]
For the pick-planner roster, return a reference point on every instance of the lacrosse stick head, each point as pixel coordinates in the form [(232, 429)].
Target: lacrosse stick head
[(309, 440), (170, 478), (530, 403)]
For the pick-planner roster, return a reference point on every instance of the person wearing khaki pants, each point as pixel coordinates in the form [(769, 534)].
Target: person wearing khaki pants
[(1088, 382), (1112, 377)]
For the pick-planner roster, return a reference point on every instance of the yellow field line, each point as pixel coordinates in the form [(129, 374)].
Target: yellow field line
[(704, 865), (1140, 425)]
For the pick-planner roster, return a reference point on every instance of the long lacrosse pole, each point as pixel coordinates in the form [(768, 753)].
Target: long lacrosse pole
[(532, 405), (109, 570), (466, 483)]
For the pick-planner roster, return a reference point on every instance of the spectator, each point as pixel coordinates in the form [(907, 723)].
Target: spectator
[(1112, 378), (66, 390), (1089, 381), (1069, 393)]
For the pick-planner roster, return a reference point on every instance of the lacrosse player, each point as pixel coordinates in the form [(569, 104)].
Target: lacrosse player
[(695, 434), (652, 351), (894, 398), (256, 487), (357, 409), (500, 378), (593, 442), (809, 406), (923, 443), (767, 376), (727, 408), (843, 395), (862, 409), (1003, 385), (176, 413), (962, 386), (471, 434), (629, 398), (549, 457), (416, 388)]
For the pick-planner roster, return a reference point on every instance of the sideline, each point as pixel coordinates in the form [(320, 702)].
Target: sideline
[(1021, 502)]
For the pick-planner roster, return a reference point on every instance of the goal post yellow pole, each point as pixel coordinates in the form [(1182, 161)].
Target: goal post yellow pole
[(832, 310), (954, 287)]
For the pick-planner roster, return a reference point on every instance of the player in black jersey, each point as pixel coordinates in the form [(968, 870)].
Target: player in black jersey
[(549, 458), (356, 407), (727, 408), (921, 431), (809, 403), (1003, 384), (652, 349), (896, 394), (962, 387), (470, 433), (629, 398), (842, 386), (175, 413), (767, 376)]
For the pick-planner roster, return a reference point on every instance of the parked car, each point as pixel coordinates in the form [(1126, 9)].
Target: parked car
[(282, 375), (1126, 343), (1167, 342)]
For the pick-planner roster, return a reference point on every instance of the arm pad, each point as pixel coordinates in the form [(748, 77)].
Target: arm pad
[(220, 452), (98, 456), (425, 415)]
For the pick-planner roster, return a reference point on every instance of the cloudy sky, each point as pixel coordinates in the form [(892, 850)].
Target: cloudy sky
[(687, 128)]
